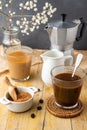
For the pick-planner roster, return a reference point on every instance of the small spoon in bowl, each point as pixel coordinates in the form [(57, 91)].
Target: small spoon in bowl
[(77, 63), (13, 91)]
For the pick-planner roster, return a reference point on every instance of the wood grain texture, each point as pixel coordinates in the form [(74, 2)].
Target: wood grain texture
[(43, 120)]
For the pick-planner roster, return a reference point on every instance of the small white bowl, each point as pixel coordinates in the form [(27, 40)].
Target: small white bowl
[(19, 106)]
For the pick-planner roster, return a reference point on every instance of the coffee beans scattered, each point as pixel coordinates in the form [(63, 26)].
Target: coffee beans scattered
[(38, 90), (41, 101), (33, 115), (39, 108)]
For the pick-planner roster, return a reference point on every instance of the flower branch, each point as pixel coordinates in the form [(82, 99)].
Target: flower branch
[(28, 23)]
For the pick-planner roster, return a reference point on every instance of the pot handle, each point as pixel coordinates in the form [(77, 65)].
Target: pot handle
[(4, 101), (83, 27), (63, 16)]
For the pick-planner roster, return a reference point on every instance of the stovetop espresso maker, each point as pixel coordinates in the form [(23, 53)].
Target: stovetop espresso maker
[(63, 34)]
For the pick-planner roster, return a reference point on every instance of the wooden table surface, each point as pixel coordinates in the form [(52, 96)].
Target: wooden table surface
[(43, 120)]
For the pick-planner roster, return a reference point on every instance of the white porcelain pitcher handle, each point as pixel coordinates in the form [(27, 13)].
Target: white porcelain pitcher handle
[(68, 60)]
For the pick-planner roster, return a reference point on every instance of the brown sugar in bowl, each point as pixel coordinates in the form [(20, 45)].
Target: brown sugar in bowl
[(24, 102), (23, 96)]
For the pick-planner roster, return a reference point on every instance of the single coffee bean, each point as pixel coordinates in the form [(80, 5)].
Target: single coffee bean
[(41, 101), (33, 115), (39, 108)]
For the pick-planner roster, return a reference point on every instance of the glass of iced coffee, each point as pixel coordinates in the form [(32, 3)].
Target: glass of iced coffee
[(66, 88), (19, 62)]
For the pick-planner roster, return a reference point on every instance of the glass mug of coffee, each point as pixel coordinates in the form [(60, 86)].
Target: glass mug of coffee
[(19, 62), (66, 88)]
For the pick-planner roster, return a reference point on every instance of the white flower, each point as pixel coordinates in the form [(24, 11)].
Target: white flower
[(10, 1), (25, 19), (20, 8), (25, 23), (44, 8), (33, 18), (46, 4), (18, 22), (21, 26), (37, 21), (31, 3), (35, 1), (28, 8), (25, 7), (6, 5), (34, 24), (21, 4), (49, 13), (34, 5), (54, 10), (9, 11), (27, 3), (38, 18), (27, 33), (35, 9), (32, 29), (37, 27)]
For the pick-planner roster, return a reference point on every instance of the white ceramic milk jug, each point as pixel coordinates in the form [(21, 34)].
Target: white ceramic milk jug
[(51, 59)]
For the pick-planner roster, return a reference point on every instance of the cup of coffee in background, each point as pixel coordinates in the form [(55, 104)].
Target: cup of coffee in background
[(66, 88), (19, 62)]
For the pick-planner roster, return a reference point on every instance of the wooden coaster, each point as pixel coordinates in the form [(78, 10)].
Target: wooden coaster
[(63, 113)]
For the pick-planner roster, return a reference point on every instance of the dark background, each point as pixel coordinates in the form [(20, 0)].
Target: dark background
[(39, 39)]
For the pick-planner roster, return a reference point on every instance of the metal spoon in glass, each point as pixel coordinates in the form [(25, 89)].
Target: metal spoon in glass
[(77, 63)]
